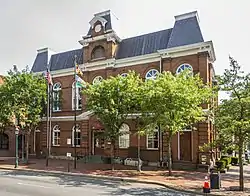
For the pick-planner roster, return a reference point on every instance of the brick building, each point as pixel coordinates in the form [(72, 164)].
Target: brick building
[(102, 54)]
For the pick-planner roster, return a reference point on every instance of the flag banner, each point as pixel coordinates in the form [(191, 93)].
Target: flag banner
[(80, 82), (48, 77), (78, 70)]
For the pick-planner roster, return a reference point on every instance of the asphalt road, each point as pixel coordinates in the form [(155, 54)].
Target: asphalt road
[(18, 183)]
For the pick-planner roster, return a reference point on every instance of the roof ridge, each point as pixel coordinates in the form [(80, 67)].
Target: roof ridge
[(62, 52), (145, 34)]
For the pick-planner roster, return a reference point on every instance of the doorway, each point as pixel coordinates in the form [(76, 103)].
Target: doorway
[(185, 146), (98, 143)]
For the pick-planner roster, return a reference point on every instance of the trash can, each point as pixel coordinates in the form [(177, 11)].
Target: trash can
[(215, 181)]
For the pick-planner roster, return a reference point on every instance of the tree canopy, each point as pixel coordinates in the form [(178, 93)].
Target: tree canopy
[(233, 114), (175, 102)]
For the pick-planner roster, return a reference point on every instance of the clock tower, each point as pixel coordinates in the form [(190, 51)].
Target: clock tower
[(101, 41)]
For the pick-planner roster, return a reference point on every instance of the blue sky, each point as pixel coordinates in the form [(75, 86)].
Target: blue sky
[(27, 25)]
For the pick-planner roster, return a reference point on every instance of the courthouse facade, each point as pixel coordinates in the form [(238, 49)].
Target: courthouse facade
[(102, 54)]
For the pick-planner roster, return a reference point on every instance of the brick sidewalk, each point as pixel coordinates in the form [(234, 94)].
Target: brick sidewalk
[(185, 180)]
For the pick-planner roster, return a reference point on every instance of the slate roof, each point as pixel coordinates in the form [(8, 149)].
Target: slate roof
[(186, 31), (65, 60), (41, 62)]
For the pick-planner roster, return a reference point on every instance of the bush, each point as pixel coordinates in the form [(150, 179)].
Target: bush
[(234, 160), (221, 164), (226, 159)]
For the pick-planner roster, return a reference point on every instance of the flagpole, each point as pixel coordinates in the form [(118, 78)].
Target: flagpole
[(75, 116), (48, 113)]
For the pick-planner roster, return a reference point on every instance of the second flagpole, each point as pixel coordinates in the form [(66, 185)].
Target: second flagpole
[(75, 157)]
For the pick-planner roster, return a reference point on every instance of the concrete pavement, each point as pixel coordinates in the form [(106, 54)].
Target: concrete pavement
[(20, 183)]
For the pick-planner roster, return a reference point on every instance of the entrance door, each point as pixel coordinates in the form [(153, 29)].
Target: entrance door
[(185, 146), (99, 143), (37, 143)]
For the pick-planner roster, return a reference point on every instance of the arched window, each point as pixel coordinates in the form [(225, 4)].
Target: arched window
[(124, 74), (153, 139), (56, 136), (124, 137), (78, 97), (4, 141), (183, 67), (97, 80), (98, 52), (57, 90), (152, 74), (76, 136)]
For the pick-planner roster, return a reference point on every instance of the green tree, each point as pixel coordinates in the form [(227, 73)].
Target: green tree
[(111, 101), (174, 103), (233, 114), (25, 94)]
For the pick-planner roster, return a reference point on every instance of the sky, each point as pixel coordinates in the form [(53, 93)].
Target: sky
[(28, 25)]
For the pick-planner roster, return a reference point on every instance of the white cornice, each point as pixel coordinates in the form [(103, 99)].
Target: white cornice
[(187, 15), (83, 116), (111, 36)]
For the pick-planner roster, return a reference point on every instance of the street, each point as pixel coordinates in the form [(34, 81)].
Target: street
[(19, 183)]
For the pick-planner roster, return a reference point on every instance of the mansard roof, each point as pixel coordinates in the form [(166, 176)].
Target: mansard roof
[(185, 31)]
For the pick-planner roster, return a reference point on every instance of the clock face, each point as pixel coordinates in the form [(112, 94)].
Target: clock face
[(98, 28)]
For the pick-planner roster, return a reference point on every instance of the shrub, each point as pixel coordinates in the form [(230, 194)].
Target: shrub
[(221, 164), (234, 160), (226, 159)]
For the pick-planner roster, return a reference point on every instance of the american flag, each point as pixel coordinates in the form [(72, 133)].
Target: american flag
[(48, 77)]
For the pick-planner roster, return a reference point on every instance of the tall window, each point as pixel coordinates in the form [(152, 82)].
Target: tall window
[(76, 136), (4, 141), (78, 97), (57, 90), (56, 136), (183, 67), (153, 139), (124, 137), (98, 52), (152, 74)]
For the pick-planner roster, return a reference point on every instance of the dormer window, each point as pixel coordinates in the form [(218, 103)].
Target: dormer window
[(98, 53)]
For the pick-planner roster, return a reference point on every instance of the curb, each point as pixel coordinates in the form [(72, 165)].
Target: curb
[(112, 178)]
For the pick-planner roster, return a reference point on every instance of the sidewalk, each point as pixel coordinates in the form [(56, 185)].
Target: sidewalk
[(183, 180)]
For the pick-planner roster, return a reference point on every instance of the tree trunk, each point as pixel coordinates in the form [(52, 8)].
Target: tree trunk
[(27, 149), (169, 154), (112, 155), (241, 165)]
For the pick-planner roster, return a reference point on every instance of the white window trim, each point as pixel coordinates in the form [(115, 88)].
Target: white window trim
[(78, 130), (126, 133), (183, 70), (78, 89), (58, 89), (56, 129), (158, 140), (97, 80), (150, 78), (124, 74)]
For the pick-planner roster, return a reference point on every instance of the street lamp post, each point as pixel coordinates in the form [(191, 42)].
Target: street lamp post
[(16, 134)]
